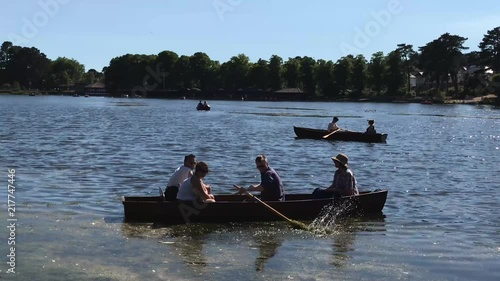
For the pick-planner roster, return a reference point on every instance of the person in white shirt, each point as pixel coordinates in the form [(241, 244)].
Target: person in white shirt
[(333, 125), (179, 176)]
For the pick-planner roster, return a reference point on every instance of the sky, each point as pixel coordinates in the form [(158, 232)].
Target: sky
[(95, 31)]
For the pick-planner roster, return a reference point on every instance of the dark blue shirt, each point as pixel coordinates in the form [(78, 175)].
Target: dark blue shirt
[(272, 185)]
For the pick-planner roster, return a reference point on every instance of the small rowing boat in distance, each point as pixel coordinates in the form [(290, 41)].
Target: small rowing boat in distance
[(238, 208), (308, 133)]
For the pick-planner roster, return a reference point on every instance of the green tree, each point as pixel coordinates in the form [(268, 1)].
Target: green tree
[(323, 73), (408, 55), (394, 74), (28, 66), (182, 72), (201, 69), (275, 72), (358, 76), (66, 71), (259, 74), (376, 72), (442, 58), (490, 49), (307, 65), (92, 76), (4, 61), (342, 73), (291, 72), (136, 72), (166, 62), (235, 71)]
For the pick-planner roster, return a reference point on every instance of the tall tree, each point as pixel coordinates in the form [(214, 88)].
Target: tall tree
[(407, 53), (490, 49), (358, 76), (28, 66), (182, 72), (394, 74), (442, 58), (201, 67), (66, 71), (307, 75), (166, 62), (259, 74), (376, 72), (275, 72), (132, 72), (4, 61), (323, 73), (235, 71), (291, 72), (342, 74)]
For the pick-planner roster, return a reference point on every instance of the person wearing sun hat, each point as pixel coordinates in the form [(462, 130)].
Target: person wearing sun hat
[(371, 127), (344, 183)]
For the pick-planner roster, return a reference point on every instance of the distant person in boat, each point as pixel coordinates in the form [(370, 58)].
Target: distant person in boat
[(371, 127), (200, 106), (271, 186), (333, 125), (194, 189), (344, 182), (179, 176)]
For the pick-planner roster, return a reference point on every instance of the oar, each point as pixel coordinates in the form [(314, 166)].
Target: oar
[(295, 223), (325, 136)]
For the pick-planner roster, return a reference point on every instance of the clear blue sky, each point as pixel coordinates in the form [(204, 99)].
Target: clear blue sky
[(95, 31)]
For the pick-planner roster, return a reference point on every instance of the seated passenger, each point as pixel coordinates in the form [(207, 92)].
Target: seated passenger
[(344, 182), (371, 127), (194, 189), (332, 126), (271, 186), (179, 176)]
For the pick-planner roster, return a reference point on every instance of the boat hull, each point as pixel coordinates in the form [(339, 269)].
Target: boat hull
[(238, 208), (203, 108), (308, 133)]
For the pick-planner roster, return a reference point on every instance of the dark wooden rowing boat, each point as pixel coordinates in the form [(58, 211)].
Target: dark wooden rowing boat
[(203, 107), (238, 208), (308, 133)]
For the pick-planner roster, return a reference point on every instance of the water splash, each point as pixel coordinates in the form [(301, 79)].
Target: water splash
[(325, 223)]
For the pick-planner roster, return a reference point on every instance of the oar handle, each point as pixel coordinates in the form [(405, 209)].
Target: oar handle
[(325, 136), (263, 203)]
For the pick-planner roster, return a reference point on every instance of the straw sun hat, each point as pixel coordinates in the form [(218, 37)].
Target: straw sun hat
[(341, 159)]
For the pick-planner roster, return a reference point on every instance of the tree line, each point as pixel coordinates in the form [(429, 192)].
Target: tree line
[(383, 75)]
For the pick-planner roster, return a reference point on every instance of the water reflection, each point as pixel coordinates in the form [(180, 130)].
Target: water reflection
[(345, 235), (268, 244), (189, 242)]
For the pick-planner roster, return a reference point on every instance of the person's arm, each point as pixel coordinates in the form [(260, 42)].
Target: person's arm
[(255, 188), (200, 190)]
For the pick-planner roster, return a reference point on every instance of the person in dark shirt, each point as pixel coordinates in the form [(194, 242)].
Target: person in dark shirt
[(371, 127), (271, 186)]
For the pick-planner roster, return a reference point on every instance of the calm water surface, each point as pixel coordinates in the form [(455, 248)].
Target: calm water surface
[(75, 157)]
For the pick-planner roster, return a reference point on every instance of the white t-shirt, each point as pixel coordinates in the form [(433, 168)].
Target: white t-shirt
[(179, 176), (186, 192), (332, 127)]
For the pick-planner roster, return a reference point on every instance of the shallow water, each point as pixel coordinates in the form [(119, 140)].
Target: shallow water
[(75, 157)]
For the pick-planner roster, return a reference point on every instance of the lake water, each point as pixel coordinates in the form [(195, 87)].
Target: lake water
[(75, 157)]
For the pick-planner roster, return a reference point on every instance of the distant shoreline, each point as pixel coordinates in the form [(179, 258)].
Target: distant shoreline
[(490, 99)]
